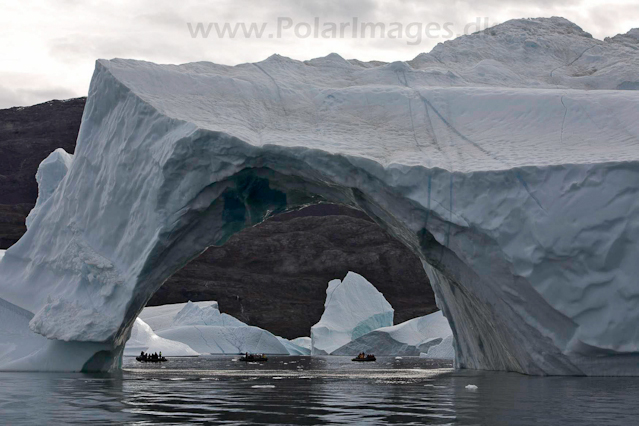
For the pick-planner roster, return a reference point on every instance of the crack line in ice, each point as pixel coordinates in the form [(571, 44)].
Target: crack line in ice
[(430, 122), (575, 60), (206, 341), (563, 122)]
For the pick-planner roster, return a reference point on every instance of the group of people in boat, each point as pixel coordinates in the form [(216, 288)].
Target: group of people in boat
[(150, 357), (253, 357), (363, 355)]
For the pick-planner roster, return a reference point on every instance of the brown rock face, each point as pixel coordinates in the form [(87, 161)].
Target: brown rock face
[(28, 136), (273, 275)]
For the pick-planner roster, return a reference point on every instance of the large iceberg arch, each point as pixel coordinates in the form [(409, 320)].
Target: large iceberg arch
[(521, 203)]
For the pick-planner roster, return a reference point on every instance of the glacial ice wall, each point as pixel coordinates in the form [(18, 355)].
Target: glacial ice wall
[(520, 201)]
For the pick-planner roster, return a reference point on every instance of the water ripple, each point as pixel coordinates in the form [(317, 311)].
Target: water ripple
[(332, 390)]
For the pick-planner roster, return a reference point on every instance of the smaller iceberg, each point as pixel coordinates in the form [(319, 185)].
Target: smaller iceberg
[(429, 335), (353, 308), (201, 327), (143, 339)]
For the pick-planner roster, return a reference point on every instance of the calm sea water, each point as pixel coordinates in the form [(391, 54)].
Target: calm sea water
[(307, 391)]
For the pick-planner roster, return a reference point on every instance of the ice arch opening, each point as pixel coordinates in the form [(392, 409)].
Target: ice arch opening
[(171, 160)]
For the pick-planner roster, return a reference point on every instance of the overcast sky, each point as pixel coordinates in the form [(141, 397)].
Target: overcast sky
[(48, 48)]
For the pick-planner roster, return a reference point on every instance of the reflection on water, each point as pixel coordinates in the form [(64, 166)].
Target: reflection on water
[(303, 390)]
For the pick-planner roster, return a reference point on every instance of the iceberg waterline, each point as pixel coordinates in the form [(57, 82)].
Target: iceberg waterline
[(521, 203)]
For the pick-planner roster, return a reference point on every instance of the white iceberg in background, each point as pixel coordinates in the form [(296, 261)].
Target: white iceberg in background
[(143, 339), (2, 254), (162, 317), (410, 338), (353, 308), (202, 327), (293, 348), (192, 314), (50, 173), (207, 339)]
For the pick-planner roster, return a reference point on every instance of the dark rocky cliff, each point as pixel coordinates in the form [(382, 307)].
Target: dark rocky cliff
[(273, 275)]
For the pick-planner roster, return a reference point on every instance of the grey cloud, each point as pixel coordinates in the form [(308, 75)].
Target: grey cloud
[(156, 30)]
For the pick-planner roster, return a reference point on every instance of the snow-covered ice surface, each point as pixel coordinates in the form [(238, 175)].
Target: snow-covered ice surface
[(207, 339), (410, 338), (162, 317), (144, 339), (353, 307), (193, 314), (505, 160)]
